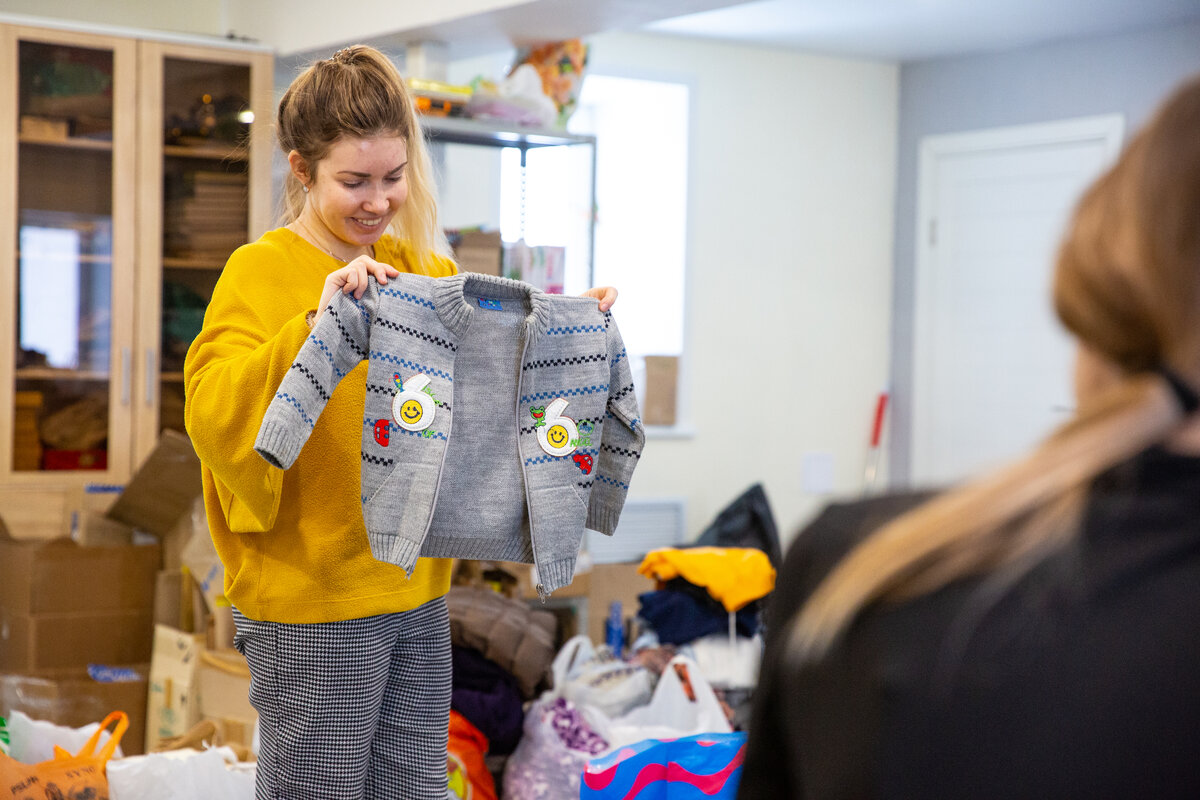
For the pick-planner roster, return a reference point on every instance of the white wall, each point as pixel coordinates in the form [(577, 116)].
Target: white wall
[(789, 268)]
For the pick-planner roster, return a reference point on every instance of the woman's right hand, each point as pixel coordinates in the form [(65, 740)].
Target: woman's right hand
[(353, 278)]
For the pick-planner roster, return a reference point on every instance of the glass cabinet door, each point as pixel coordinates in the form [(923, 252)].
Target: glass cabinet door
[(72, 260), (206, 128), (202, 158)]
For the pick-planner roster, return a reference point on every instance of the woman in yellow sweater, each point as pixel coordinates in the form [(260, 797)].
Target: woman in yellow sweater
[(350, 661)]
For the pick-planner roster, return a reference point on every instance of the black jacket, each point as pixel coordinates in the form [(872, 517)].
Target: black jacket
[(1081, 680)]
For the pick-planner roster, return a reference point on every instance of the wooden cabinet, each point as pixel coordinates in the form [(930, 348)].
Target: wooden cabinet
[(129, 169)]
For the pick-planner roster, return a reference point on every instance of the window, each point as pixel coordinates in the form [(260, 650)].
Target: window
[(641, 128)]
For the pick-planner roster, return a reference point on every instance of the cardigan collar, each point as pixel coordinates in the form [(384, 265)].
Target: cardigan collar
[(456, 313)]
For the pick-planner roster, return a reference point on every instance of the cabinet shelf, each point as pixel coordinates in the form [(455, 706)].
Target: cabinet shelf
[(493, 133), (56, 374), (206, 152), (69, 143), (174, 262), (85, 258)]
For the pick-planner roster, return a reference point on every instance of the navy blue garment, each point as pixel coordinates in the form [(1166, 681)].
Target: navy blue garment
[(679, 617), (488, 697)]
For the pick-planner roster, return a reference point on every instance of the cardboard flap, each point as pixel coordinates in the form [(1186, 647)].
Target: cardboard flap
[(163, 488)]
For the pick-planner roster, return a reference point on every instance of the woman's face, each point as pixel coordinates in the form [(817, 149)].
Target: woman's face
[(359, 187)]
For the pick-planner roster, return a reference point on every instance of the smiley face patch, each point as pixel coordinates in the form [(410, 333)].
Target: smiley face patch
[(413, 408), (558, 435)]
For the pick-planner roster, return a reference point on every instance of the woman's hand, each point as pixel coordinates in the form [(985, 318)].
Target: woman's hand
[(607, 295), (353, 278)]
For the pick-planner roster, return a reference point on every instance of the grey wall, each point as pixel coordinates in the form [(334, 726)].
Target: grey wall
[(1126, 74)]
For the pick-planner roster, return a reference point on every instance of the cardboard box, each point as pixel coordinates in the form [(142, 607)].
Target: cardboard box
[(662, 378), (172, 699), (63, 605), (592, 592), (477, 251), (224, 682), (163, 489), (73, 697)]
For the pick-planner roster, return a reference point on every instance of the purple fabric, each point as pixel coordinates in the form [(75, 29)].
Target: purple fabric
[(488, 697), (572, 729)]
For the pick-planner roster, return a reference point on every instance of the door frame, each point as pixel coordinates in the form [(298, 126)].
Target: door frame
[(1106, 129)]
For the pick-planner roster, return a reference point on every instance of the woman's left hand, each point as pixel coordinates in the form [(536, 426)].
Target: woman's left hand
[(607, 295)]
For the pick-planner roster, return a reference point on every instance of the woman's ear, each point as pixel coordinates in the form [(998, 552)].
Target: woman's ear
[(299, 167)]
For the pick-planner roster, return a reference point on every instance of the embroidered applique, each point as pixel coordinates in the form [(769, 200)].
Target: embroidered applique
[(585, 435), (382, 432), (584, 462), (539, 414), (556, 435), (412, 408)]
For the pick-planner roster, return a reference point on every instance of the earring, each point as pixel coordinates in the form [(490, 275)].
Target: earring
[(306, 188)]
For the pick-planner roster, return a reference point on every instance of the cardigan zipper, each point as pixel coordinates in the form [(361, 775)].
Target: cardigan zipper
[(540, 587)]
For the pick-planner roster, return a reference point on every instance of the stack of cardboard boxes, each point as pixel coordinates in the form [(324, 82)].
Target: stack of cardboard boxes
[(112, 617)]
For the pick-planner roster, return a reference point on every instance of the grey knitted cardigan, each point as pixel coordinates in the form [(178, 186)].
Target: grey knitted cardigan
[(499, 421)]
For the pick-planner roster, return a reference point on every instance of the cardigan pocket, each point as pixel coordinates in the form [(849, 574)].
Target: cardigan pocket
[(397, 514)]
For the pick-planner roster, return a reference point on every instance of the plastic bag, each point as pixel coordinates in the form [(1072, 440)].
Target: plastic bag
[(558, 741), (592, 679), (683, 704), (182, 775), (466, 768), (703, 766), (66, 775), (34, 740)]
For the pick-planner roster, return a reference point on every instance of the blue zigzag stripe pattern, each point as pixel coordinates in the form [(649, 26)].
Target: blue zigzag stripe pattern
[(612, 482), (620, 355), (633, 423), (376, 355), (410, 298), (361, 309), (587, 451), (328, 356), (582, 390), (570, 329), (294, 403)]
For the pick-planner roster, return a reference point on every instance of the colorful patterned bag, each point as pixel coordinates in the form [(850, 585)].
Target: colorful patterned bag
[(703, 767)]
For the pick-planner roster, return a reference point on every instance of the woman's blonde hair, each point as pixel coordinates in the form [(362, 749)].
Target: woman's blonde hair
[(1127, 285), (358, 92)]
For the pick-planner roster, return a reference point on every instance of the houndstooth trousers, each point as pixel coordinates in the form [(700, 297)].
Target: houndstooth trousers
[(351, 710)]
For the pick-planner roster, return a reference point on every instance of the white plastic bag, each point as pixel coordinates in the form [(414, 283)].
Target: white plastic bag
[(32, 741), (683, 704), (590, 681), (181, 775)]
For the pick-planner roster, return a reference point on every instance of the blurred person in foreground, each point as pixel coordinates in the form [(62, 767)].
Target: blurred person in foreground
[(1034, 633)]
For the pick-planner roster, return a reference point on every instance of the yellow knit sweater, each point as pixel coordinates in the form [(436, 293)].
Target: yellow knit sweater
[(293, 543)]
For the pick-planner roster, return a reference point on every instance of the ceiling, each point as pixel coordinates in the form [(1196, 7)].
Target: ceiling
[(914, 30)]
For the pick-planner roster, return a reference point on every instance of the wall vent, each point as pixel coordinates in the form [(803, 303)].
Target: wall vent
[(646, 524)]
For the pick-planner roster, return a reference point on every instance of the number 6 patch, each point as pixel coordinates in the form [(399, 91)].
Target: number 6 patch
[(558, 436), (412, 408)]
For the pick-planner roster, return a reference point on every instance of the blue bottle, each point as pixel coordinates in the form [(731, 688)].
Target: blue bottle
[(614, 629)]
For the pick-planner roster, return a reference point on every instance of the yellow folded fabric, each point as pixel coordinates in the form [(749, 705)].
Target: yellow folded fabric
[(734, 576)]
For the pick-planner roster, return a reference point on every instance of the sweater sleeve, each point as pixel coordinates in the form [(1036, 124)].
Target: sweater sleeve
[(337, 344), (621, 440), (252, 330)]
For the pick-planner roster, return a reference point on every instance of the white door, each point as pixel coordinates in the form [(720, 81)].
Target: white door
[(992, 363)]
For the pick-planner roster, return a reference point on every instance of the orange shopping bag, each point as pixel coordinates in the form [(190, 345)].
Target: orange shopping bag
[(66, 776)]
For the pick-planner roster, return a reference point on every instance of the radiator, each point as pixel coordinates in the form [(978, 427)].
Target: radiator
[(646, 524)]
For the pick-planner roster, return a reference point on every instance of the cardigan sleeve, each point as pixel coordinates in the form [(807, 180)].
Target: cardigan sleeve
[(338, 343), (621, 439)]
